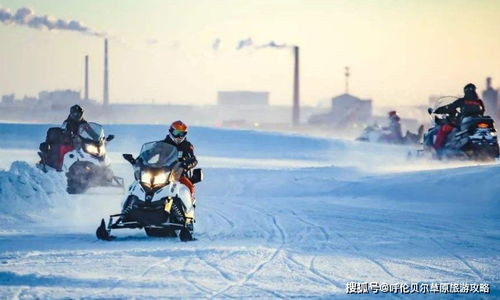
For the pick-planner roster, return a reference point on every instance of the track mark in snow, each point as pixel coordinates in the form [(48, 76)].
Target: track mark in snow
[(311, 267), (380, 265), (259, 266), (315, 272), (463, 261), (18, 293), (190, 282), (321, 228), (231, 223), (161, 262), (214, 266)]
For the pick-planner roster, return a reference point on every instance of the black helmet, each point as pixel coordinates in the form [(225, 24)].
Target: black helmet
[(469, 88), (76, 112)]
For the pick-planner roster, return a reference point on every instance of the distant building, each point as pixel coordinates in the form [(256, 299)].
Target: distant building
[(29, 100), (347, 111), (245, 98), (8, 99), (60, 98), (490, 99)]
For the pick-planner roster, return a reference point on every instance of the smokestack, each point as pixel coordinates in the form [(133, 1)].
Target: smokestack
[(86, 96), (488, 83), (296, 97), (105, 98)]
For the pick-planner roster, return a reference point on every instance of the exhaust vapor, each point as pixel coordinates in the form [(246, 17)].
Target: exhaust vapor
[(271, 44), (26, 17)]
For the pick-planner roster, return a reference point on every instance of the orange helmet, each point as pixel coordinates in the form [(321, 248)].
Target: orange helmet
[(178, 131)]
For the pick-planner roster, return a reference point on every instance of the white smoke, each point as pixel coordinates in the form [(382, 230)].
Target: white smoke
[(152, 41), (216, 44), (26, 17), (244, 43), (271, 44)]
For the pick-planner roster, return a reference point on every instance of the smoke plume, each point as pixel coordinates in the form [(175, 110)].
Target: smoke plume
[(216, 44), (244, 43), (26, 17), (272, 44)]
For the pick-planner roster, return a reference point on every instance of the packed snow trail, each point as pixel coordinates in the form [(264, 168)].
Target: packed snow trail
[(301, 225)]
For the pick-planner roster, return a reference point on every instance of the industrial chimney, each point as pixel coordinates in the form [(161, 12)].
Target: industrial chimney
[(86, 96), (296, 97), (105, 98)]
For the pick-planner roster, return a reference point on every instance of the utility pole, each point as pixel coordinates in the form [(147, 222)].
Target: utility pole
[(347, 74), (296, 83)]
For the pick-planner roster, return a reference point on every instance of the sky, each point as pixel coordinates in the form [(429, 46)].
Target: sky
[(165, 51)]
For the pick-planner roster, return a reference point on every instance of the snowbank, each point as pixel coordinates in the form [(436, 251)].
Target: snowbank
[(27, 194)]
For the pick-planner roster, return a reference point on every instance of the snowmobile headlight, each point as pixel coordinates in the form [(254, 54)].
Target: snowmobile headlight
[(153, 179), (102, 150), (92, 149), (146, 177), (493, 133), (160, 178)]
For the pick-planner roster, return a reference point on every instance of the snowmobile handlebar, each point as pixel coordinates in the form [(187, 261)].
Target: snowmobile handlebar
[(130, 158)]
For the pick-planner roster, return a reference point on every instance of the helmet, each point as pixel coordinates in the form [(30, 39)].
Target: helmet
[(393, 115), (178, 131), (469, 88), (76, 112), (470, 91)]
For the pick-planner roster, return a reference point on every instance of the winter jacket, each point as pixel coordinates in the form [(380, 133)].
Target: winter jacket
[(71, 127), (186, 153), (468, 107)]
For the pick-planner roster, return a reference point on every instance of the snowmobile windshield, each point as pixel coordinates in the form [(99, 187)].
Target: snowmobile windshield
[(443, 101), (91, 131), (440, 102), (158, 154)]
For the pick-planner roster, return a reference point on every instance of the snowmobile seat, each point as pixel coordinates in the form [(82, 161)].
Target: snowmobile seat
[(55, 135)]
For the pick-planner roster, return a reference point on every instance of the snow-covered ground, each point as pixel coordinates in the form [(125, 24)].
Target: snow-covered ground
[(278, 216)]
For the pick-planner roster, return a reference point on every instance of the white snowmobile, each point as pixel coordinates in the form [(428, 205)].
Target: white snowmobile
[(86, 165), (377, 134), (157, 200)]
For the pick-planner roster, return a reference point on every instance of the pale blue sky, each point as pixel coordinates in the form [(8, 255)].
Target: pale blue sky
[(399, 51)]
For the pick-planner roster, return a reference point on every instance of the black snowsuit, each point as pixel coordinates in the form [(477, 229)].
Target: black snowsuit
[(186, 153), (71, 128), (469, 106)]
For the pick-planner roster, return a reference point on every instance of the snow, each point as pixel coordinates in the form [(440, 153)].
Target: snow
[(29, 195), (278, 216)]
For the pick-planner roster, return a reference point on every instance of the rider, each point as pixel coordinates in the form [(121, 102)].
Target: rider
[(73, 122), (60, 140), (395, 135), (468, 105), (177, 137), (70, 126)]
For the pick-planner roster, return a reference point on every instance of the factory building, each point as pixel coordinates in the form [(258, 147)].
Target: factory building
[(490, 99), (347, 111), (242, 98)]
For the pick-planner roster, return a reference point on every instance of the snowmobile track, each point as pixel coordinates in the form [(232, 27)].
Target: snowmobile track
[(462, 260), (374, 261), (259, 266)]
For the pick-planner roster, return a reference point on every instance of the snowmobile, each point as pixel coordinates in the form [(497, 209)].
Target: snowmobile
[(378, 134), (157, 201), (474, 138), (86, 164)]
